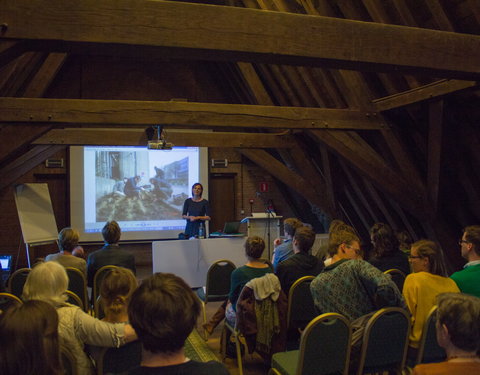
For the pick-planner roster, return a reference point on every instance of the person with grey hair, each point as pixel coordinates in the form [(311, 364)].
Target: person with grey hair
[(48, 282), (458, 332), (68, 243)]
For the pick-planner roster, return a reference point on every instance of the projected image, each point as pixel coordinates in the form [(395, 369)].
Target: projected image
[(141, 189)]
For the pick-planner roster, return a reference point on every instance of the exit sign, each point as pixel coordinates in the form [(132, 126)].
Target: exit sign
[(264, 187)]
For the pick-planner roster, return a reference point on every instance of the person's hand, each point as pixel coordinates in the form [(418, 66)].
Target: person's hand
[(193, 218), (277, 241)]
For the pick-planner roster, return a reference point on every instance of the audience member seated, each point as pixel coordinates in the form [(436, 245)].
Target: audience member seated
[(283, 249), (116, 290), (48, 282), (111, 254), (336, 227), (468, 279), (164, 311), (254, 267), (386, 253), (301, 263), (427, 280), (404, 241), (458, 332), (68, 242), (29, 335)]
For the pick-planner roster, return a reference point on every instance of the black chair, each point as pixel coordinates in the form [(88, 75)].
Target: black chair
[(8, 300), (324, 349), (97, 282), (217, 285), (74, 299), (119, 360), (429, 351), (398, 277), (17, 281), (301, 309), (77, 283), (385, 341)]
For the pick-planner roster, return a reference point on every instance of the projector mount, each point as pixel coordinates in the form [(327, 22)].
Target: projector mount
[(161, 142)]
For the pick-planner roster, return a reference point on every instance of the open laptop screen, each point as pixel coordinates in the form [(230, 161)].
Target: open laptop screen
[(231, 227)]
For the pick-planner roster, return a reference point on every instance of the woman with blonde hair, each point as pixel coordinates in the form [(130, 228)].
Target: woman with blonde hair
[(48, 282), (29, 333), (421, 288), (115, 291)]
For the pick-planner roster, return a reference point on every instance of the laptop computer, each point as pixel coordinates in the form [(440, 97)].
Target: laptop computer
[(231, 227), (6, 262)]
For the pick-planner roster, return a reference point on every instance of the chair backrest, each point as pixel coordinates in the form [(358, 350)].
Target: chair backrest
[(119, 360), (74, 299), (218, 279), (77, 283), (97, 281), (325, 346), (301, 308), (429, 351), (398, 277), (8, 300), (385, 341), (17, 281)]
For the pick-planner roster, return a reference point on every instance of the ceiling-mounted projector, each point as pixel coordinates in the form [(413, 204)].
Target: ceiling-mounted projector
[(159, 145)]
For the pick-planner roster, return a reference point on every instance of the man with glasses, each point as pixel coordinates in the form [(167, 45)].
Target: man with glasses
[(351, 286), (468, 279)]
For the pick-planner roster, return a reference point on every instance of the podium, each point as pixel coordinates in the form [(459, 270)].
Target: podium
[(259, 224)]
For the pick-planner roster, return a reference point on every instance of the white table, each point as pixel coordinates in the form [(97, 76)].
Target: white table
[(190, 259)]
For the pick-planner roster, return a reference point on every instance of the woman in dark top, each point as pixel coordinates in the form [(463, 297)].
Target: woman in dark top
[(386, 254), (195, 210)]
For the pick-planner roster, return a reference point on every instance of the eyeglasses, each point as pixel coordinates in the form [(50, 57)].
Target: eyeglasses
[(462, 241), (414, 257), (354, 249)]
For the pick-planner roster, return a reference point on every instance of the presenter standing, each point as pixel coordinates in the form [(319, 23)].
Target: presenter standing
[(195, 210)]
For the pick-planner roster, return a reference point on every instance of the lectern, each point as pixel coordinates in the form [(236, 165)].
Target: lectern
[(265, 225)]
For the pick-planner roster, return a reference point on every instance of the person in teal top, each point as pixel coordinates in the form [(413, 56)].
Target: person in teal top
[(468, 279)]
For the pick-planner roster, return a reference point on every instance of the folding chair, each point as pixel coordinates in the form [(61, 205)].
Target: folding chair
[(77, 283), (398, 277), (324, 349), (74, 299), (8, 300), (429, 351), (119, 360), (385, 341), (17, 281), (217, 285)]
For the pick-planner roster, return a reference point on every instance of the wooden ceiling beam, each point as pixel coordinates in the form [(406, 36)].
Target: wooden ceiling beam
[(432, 90), (238, 34), (137, 137), (129, 113), (293, 180), (434, 163)]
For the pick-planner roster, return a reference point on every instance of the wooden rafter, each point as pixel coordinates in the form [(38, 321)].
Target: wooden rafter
[(130, 113), (238, 34), (433, 90), (137, 137), (435, 137)]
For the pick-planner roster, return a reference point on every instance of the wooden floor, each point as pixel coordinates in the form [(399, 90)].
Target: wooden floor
[(252, 365)]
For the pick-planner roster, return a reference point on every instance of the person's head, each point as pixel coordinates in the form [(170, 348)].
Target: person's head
[(404, 240), (111, 232), (163, 311), (254, 247), (197, 189), (426, 255), (458, 321), (334, 225), (47, 281), (29, 333), (290, 225), (383, 240), (303, 239), (68, 239), (116, 290), (470, 242), (345, 245), (337, 235)]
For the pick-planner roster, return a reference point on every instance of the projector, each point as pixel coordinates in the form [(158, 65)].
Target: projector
[(159, 145)]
